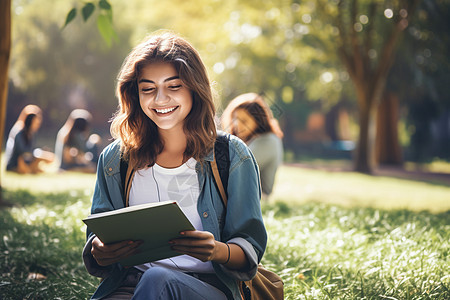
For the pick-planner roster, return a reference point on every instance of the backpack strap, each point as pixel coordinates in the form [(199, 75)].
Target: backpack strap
[(220, 165), (126, 176), (123, 173), (218, 181)]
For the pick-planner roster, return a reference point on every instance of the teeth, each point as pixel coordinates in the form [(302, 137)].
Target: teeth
[(165, 110)]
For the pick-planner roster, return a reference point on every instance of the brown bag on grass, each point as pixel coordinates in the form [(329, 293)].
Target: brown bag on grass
[(266, 285)]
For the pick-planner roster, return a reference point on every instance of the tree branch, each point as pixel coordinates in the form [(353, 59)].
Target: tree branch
[(357, 58), (346, 57), (387, 53), (368, 37)]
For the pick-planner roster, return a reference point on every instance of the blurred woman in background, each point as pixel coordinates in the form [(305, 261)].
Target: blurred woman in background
[(75, 149), (249, 117), (20, 155)]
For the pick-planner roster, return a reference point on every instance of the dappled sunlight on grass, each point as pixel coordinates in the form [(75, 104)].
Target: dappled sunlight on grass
[(324, 240), (56, 216), (437, 165), (324, 251), (49, 182), (352, 189)]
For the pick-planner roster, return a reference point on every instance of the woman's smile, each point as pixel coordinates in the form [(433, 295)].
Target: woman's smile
[(165, 111)]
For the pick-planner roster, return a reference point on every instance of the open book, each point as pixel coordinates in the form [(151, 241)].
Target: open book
[(153, 223)]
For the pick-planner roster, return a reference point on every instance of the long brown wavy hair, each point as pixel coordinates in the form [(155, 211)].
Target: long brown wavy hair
[(139, 135), (258, 109)]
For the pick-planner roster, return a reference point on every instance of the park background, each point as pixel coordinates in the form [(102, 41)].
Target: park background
[(356, 86)]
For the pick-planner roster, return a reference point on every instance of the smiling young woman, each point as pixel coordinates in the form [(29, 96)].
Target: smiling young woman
[(166, 100), (165, 131)]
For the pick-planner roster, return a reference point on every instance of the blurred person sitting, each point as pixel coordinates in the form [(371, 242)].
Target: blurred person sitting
[(20, 155), (249, 117), (75, 149)]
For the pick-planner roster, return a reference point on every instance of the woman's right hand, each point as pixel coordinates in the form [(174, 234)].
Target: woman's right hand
[(107, 254)]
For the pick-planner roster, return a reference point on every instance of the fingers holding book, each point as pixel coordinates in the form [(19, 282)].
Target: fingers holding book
[(198, 244), (107, 254)]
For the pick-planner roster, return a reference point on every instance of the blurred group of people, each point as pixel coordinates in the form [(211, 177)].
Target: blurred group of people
[(247, 116), (75, 148)]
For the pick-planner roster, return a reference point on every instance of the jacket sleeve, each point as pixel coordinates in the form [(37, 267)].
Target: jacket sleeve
[(244, 224), (103, 199)]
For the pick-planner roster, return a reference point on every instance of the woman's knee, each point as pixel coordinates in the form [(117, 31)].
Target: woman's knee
[(157, 274), (156, 279)]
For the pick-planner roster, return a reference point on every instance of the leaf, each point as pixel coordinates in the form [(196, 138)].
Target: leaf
[(70, 16), (109, 14), (104, 25), (87, 10), (104, 4)]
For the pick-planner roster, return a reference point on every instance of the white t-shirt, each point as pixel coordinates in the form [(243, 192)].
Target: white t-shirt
[(155, 184)]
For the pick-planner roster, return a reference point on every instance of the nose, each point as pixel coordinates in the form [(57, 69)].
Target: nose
[(162, 96)]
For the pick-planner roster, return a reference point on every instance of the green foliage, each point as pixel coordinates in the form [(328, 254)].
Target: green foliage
[(80, 72), (70, 16), (104, 25), (286, 49), (104, 4), (87, 10), (104, 19)]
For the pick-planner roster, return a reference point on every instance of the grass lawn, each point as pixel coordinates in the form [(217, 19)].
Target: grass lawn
[(331, 236), (351, 189)]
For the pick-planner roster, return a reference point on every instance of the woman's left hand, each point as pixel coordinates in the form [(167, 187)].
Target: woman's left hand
[(201, 245)]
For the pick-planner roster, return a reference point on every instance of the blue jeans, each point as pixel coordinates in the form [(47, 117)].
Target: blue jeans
[(164, 284)]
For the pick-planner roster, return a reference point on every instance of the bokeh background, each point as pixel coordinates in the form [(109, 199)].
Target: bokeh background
[(319, 63), (356, 85)]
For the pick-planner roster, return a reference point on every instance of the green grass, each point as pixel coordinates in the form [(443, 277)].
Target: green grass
[(43, 233), (324, 251), (331, 236), (49, 182), (351, 189)]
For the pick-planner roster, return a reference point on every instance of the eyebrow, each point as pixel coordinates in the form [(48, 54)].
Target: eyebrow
[(165, 80)]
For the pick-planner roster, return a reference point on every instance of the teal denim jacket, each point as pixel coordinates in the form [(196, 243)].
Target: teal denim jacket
[(241, 224)]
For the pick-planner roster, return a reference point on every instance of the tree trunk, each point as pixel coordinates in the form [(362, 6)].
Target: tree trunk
[(364, 158), (387, 146), (5, 50)]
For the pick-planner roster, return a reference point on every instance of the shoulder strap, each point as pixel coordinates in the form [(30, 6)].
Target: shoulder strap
[(123, 172), (220, 165), (218, 182), (126, 176)]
